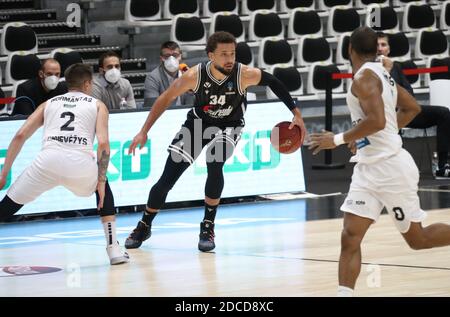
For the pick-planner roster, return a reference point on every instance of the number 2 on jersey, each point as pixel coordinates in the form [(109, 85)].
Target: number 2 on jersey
[(66, 126)]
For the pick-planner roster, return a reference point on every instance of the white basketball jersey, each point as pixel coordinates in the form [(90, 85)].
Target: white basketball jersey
[(70, 121), (386, 142)]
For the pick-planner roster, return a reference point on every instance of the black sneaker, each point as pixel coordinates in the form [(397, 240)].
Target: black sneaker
[(206, 242), (141, 233), (443, 173)]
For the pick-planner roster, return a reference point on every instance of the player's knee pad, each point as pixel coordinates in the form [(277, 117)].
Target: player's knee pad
[(164, 184), (214, 181), (214, 192), (157, 195), (172, 172), (109, 208), (215, 169), (8, 208)]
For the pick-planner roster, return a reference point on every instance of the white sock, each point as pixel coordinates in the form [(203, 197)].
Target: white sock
[(110, 232), (344, 291)]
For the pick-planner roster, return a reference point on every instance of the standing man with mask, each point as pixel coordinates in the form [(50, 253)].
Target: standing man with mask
[(35, 91), (116, 92), (164, 75)]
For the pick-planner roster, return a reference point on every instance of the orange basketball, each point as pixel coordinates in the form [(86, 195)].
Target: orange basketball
[(284, 140)]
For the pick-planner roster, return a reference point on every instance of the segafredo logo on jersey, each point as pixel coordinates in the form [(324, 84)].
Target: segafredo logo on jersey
[(128, 167), (253, 151), (2, 163)]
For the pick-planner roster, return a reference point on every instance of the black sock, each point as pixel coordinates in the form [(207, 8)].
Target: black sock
[(148, 217), (442, 159), (210, 212)]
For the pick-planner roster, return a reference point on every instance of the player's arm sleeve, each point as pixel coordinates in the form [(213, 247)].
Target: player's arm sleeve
[(278, 89)]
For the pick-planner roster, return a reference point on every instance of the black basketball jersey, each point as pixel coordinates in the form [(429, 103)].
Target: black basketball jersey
[(219, 101)]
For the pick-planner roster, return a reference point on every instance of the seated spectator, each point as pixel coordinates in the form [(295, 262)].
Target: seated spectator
[(46, 85), (2, 95), (428, 117), (116, 92), (162, 76)]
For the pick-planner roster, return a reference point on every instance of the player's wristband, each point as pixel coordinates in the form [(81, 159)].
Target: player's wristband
[(338, 139)]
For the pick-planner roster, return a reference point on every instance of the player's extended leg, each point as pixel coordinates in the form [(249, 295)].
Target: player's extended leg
[(172, 171), (183, 150), (30, 184), (8, 208), (404, 209), (108, 218), (218, 152), (355, 227), (432, 236), (213, 190)]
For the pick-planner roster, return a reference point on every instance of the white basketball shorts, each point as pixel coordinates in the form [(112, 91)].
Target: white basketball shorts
[(75, 170), (390, 183)]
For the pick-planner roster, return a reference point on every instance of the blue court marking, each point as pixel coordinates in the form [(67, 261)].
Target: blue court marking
[(84, 229)]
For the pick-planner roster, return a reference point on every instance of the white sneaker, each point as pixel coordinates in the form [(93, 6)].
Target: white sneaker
[(116, 255)]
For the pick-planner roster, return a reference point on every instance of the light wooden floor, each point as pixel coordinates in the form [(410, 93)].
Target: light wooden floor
[(273, 258)]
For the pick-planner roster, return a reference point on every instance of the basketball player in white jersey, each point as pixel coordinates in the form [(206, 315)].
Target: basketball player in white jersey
[(385, 174), (71, 122)]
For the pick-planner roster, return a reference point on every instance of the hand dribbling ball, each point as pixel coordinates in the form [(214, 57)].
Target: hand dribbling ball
[(284, 140)]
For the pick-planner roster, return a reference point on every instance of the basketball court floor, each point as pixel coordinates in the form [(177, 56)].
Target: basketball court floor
[(268, 248)]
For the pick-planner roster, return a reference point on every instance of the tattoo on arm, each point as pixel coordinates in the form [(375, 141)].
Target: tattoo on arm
[(103, 163)]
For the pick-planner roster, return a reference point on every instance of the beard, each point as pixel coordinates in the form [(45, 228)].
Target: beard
[(223, 70)]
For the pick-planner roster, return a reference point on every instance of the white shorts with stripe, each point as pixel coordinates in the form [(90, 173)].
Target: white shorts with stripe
[(75, 170), (390, 183)]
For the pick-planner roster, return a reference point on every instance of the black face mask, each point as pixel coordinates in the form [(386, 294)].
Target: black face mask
[(223, 70)]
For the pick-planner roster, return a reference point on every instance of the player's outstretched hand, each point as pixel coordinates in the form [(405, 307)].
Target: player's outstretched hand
[(298, 121), (101, 194), (140, 139), (321, 141)]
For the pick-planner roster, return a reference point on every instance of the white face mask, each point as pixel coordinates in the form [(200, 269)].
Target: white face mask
[(171, 64), (51, 82), (112, 75)]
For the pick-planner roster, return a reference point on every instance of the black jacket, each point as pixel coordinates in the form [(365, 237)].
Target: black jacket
[(400, 78), (33, 89)]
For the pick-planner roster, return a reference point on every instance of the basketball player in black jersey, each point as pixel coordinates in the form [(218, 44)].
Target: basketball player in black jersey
[(216, 120)]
